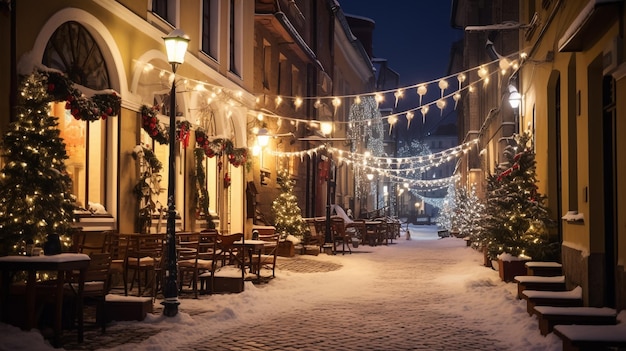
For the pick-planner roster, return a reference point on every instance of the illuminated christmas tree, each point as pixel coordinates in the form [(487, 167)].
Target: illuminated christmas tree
[(516, 221), (287, 214), (35, 190)]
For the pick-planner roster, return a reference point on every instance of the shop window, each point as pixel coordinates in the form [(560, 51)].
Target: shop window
[(72, 50)]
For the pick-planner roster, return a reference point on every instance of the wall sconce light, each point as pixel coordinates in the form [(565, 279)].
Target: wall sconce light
[(514, 97), (263, 137), (326, 128), (370, 176)]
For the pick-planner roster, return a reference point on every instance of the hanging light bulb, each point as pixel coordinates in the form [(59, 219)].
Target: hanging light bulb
[(278, 100), (336, 103), (297, 102), (409, 117), (317, 103), (482, 72), (443, 85), (392, 121), (441, 103), (357, 100), (461, 78), (260, 116), (398, 95), (421, 91), (379, 98), (456, 98), (424, 112)]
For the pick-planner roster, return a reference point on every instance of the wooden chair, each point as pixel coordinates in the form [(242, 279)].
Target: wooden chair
[(144, 257), (187, 260), (96, 285), (207, 258), (267, 259), (89, 242), (117, 246), (340, 235)]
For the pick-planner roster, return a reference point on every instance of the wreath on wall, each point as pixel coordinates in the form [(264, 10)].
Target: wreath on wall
[(100, 106)]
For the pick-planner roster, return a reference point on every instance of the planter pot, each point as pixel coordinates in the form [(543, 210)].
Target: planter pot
[(355, 243), (286, 249), (509, 269)]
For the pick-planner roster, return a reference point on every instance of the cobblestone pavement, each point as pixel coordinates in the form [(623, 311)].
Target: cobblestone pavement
[(380, 321)]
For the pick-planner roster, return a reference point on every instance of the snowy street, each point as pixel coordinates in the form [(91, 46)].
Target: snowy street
[(423, 294)]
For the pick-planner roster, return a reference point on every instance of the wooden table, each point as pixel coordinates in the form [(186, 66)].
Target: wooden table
[(64, 264), (251, 246)]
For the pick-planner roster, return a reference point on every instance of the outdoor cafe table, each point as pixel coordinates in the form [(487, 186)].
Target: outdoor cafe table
[(64, 264), (251, 246)]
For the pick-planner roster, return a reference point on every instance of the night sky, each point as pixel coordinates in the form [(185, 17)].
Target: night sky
[(415, 37)]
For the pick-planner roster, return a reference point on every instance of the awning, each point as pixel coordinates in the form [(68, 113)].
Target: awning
[(594, 20)]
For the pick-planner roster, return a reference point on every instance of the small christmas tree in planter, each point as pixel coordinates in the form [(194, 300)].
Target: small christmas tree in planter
[(287, 214), (516, 220)]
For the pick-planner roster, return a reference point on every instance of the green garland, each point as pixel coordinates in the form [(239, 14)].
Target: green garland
[(218, 147), (100, 106), (157, 131)]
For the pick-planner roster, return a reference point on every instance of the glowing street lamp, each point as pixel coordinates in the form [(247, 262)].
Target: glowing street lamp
[(176, 45)]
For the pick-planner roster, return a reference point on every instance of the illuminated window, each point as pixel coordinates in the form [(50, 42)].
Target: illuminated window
[(72, 50)]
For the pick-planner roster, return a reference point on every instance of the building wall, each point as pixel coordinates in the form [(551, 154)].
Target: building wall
[(582, 167), (130, 36)]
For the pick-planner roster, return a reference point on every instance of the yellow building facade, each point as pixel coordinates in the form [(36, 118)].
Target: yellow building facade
[(105, 45)]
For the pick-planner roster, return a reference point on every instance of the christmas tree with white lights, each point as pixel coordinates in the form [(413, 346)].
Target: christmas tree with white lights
[(35, 189), (515, 220), (287, 214)]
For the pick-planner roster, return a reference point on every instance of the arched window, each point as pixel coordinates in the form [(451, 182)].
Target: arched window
[(72, 50)]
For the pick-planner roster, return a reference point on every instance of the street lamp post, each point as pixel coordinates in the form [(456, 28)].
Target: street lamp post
[(176, 46)]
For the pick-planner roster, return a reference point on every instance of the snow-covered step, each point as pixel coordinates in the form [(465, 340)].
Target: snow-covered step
[(571, 298), (549, 316), (532, 282), (591, 337), (545, 269)]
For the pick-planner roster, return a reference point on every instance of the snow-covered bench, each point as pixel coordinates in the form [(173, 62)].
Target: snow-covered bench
[(549, 316), (531, 282), (591, 337), (126, 308), (572, 298), (545, 269)]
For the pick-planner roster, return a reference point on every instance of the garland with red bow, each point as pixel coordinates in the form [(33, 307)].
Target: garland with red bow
[(217, 147), (99, 106), (157, 131)]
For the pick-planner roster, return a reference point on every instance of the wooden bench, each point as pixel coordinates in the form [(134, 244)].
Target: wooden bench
[(443, 233), (549, 316), (591, 337), (531, 282), (545, 269), (126, 308), (572, 298)]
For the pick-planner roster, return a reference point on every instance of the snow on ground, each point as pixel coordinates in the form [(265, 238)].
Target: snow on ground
[(478, 294)]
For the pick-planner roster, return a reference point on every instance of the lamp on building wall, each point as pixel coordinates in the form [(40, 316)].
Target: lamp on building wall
[(515, 98), (176, 46), (263, 137)]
